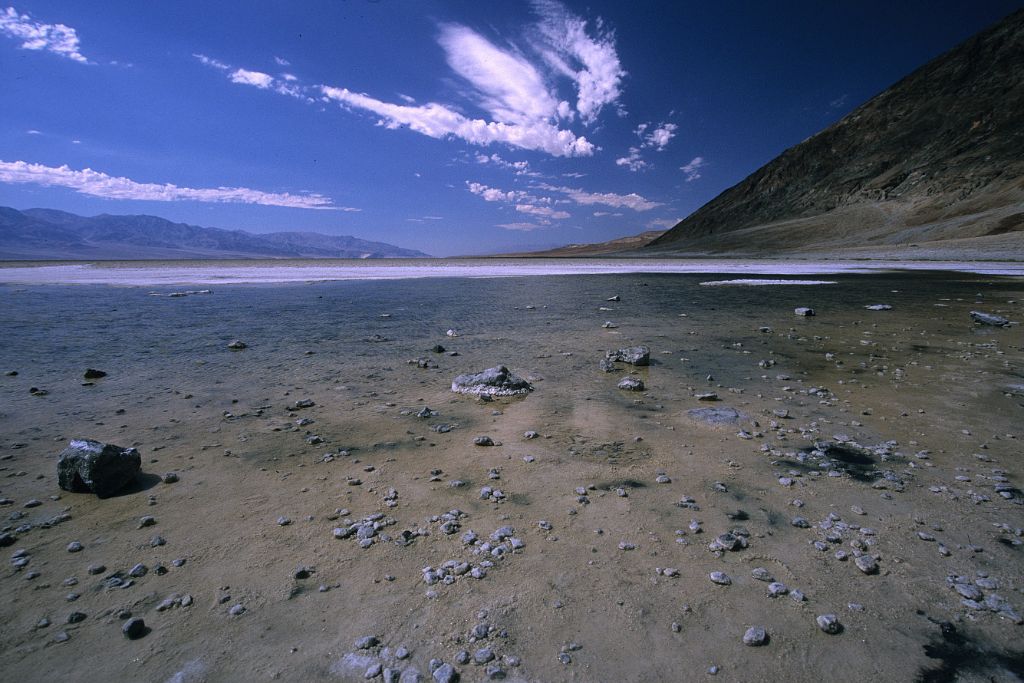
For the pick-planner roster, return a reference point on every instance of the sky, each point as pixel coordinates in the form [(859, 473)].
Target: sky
[(452, 127)]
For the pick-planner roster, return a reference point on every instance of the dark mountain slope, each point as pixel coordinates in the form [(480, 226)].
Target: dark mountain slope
[(939, 155)]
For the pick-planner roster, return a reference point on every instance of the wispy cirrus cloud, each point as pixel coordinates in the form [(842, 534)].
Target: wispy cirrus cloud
[(619, 201), (35, 35), (633, 160), (285, 84), (521, 226), (692, 169), (519, 167), (99, 184), (515, 85)]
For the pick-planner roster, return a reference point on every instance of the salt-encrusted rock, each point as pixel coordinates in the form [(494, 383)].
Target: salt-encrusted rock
[(989, 319), (91, 466), (496, 381), (634, 355), (715, 416), (804, 311), (631, 384)]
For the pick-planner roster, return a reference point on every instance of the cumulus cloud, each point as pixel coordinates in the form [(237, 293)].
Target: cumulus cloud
[(523, 202), (633, 161), (98, 184), (660, 136), (35, 35), (692, 169), (545, 211), (255, 78)]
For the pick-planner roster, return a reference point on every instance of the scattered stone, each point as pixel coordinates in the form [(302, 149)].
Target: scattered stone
[(134, 628), (496, 381), (170, 477), (367, 642), (721, 578), (237, 345), (91, 466), (74, 547), (631, 384), (483, 441), (989, 319), (829, 623), (867, 564), (633, 355), (755, 636), (804, 311), (876, 307)]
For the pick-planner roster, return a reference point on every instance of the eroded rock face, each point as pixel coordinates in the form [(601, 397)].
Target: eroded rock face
[(496, 381), (92, 466)]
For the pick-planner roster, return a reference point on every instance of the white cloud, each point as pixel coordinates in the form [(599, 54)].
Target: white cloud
[(523, 227), (545, 211), (627, 201), (255, 78), (633, 161), (508, 86), (660, 136), (210, 61), (98, 184), (662, 223), (599, 75), (437, 121), (33, 131), (56, 38), (519, 167), (281, 61), (692, 169)]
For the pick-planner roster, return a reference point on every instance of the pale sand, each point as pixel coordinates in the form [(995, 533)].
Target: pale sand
[(921, 375)]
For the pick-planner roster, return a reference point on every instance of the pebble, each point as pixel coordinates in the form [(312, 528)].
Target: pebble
[(762, 574), (721, 578), (483, 441), (74, 547), (237, 610), (755, 636), (777, 588), (367, 642), (829, 623), (867, 564), (134, 629)]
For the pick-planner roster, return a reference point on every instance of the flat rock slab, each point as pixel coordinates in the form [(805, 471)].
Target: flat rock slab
[(87, 466), (496, 381), (989, 319), (716, 417)]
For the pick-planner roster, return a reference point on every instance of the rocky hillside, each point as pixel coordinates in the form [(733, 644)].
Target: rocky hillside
[(937, 156), (50, 234)]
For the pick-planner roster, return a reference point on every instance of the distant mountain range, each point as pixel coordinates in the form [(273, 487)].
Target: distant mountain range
[(937, 157), (46, 234)]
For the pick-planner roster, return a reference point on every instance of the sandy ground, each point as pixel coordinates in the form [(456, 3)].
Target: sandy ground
[(936, 401)]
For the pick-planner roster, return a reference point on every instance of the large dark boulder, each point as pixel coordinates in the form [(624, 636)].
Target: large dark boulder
[(496, 381), (92, 466)]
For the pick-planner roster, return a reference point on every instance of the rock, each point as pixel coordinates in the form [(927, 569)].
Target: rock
[(483, 441), (92, 373), (876, 307), (496, 381), (716, 416), (367, 642), (829, 623), (91, 466), (445, 674), (634, 355), (755, 636), (607, 365), (721, 578), (237, 345), (867, 564), (135, 628), (631, 384), (804, 311), (170, 477), (989, 319), (74, 547)]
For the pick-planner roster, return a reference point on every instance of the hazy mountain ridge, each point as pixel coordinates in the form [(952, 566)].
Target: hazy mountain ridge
[(52, 234), (937, 156)]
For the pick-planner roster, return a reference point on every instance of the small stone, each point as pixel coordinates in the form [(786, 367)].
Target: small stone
[(134, 628), (445, 673), (138, 571), (237, 345), (804, 311), (76, 617), (237, 610), (755, 636), (867, 564), (631, 384), (74, 547), (829, 623), (762, 574), (148, 520), (777, 588), (721, 578), (170, 477), (483, 655), (367, 642), (483, 441)]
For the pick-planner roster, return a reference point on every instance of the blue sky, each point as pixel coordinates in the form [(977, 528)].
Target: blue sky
[(450, 127)]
